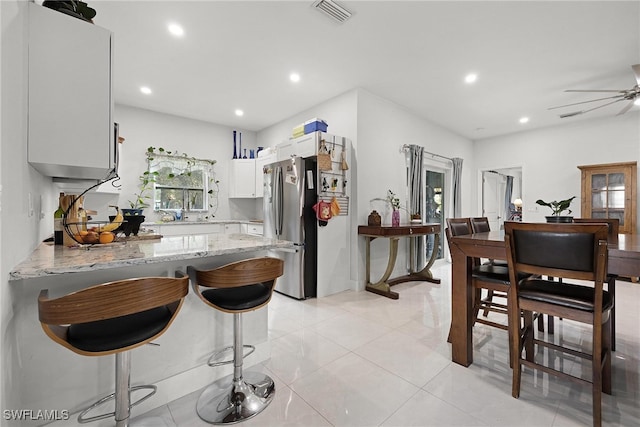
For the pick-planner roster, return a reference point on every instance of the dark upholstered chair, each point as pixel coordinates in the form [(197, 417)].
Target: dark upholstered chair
[(485, 276), (567, 251), (612, 239), (113, 318), (236, 288), (481, 225)]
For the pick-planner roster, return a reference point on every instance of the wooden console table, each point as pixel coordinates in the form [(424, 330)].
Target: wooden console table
[(383, 286)]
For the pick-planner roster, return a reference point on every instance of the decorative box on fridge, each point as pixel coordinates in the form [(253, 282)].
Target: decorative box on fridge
[(315, 125)]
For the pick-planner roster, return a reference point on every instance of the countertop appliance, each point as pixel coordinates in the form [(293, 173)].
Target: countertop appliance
[(289, 195)]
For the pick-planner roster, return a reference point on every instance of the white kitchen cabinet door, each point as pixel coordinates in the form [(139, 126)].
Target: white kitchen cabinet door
[(70, 125), (242, 178), (231, 228), (261, 162)]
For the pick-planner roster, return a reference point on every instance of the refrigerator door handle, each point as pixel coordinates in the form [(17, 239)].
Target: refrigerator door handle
[(278, 201)]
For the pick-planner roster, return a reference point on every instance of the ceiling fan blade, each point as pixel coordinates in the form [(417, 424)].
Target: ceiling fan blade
[(585, 102), (563, 116), (575, 113), (595, 90), (636, 71), (626, 108)]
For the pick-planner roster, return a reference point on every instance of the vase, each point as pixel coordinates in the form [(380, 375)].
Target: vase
[(395, 218), (235, 154)]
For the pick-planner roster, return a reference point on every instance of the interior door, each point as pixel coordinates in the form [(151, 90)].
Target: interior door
[(493, 188)]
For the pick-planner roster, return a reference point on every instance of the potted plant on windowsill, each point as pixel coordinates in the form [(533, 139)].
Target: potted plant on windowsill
[(557, 208)]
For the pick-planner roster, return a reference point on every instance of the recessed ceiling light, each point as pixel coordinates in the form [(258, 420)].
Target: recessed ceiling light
[(176, 30), (637, 101), (239, 112), (294, 77), (145, 90), (524, 120), (471, 78)]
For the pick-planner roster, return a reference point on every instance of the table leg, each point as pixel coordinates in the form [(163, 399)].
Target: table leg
[(425, 274), (382, 287), (460, 334)]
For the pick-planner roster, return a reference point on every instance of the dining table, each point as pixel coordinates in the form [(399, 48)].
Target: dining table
[(623, 260)]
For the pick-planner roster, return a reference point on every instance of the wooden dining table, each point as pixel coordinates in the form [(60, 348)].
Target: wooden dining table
[(624, 260)]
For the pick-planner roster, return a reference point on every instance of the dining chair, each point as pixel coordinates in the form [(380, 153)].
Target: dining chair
[(612, 239), (568, 251), (493, 278), (481, 225)]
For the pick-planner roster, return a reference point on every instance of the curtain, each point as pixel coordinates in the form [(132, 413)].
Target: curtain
[(415, 172), (508, 192), (457, 187)]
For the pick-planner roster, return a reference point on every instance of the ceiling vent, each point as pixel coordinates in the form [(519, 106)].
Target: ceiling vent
[(332, 9)]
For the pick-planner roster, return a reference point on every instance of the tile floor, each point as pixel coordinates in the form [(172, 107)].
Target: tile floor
[(359, 359)]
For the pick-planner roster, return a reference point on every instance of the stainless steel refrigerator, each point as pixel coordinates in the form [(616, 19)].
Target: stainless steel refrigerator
[(289, 195)]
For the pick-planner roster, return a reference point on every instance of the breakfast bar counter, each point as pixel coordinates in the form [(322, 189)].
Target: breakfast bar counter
[(49, 260), (46, 376)]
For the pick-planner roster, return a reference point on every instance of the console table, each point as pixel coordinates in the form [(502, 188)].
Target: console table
[(383, 286)]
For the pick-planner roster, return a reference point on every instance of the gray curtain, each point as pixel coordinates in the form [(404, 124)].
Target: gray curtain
[(457, 187), (415, 173), (508, 192)]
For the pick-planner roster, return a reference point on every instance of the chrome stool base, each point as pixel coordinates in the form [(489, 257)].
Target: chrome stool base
[(229, 401)]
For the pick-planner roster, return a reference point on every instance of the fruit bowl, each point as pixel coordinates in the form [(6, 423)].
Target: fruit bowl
[(92, 232)]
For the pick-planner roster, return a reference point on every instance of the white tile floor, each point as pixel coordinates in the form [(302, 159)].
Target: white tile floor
[(359, 359)]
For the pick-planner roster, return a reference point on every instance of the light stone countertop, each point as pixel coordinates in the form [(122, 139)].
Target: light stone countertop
[(49, 259)]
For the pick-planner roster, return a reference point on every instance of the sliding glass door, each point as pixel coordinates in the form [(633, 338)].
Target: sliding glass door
[(435, 207)]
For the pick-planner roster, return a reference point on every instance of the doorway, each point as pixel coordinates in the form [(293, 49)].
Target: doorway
[(499, 189)]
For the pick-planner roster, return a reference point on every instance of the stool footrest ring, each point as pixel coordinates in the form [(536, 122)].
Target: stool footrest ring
[(215, 355), (82, 420)]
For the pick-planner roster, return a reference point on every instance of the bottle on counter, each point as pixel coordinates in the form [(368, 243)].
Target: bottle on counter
[(57, 223)]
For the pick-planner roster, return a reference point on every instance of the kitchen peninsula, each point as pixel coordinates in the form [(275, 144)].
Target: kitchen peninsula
[(177, 364)]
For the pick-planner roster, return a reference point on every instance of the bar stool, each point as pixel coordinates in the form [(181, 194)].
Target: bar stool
[(236, 288), (113, 318)]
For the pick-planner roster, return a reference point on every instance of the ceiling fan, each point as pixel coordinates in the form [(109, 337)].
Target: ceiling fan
[(631, 95)]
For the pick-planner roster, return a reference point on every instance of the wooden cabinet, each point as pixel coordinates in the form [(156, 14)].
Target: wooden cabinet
[(242, 178), (609, 191), (70, 126)]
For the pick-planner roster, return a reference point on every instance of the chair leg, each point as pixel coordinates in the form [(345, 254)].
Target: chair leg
[(239, 396), (607, 340), (488, 299), (611, 287)]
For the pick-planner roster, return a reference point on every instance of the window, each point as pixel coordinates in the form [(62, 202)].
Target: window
[(182, 182)]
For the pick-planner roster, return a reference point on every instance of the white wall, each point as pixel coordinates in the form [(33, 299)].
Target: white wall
[(143, 128), (22, 228), (549, 157), (383, 127)]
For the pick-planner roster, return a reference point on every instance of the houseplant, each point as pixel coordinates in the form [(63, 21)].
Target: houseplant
[(557, 208)]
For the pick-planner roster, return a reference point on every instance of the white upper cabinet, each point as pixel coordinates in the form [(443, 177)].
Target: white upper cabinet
[(71, 130), (242, 178)]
